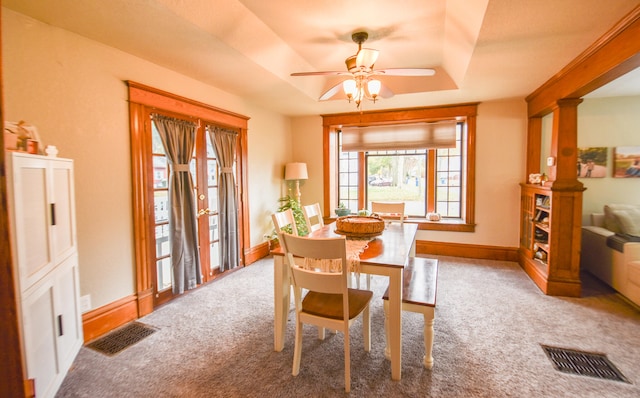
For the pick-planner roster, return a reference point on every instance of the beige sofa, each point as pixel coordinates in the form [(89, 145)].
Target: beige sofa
[(611, 248)]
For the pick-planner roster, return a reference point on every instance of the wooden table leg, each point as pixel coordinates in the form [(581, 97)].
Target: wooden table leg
[(395, 322), (428, 338), (281, 293)]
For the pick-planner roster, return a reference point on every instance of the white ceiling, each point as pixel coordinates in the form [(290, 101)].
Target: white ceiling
[(482, 49)]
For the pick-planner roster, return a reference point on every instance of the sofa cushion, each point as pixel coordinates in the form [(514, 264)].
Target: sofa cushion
[(611, 221), (629, 221)]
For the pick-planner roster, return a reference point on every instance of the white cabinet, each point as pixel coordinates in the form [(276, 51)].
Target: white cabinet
[(43, 238)]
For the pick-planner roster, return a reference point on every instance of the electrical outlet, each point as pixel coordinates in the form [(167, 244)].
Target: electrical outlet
[(85, 303)]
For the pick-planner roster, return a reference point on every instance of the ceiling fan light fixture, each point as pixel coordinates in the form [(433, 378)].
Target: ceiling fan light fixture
[(350, 88), (374, 88), (362, 83)]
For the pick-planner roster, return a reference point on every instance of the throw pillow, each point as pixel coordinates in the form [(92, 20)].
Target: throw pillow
[(629, 221), (610, 220)]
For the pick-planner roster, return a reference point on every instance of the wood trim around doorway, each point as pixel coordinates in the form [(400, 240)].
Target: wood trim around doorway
[(142, 101)]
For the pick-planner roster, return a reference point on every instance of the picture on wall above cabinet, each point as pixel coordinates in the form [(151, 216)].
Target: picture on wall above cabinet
[(22, 136), (592, 162), (626, 161)]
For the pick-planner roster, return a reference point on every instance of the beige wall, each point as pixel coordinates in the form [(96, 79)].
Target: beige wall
[(608, 122), (73, 90), (307, 144)]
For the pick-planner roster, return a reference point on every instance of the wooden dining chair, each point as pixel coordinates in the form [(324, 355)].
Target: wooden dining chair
[(313, 217), (284, 221), (328, 302), (391, 211)]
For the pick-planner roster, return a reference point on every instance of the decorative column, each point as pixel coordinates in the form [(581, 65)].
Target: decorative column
[(564, 144)]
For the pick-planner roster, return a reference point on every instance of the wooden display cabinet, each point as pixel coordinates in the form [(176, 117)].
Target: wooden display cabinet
[(549, 242)]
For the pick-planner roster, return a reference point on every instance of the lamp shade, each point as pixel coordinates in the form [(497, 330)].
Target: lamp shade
[(295, 171)]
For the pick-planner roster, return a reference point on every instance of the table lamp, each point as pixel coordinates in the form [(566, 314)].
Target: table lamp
[(296, 172)]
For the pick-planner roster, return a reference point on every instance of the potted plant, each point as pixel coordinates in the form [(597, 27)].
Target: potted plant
[(288, 202), (342, 210)]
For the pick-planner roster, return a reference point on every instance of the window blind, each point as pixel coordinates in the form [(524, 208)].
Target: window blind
[(441, 134)]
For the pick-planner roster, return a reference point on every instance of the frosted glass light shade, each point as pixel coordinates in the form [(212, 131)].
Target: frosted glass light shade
[(374, 87), (295, 171), (366, 58), (350, 87)]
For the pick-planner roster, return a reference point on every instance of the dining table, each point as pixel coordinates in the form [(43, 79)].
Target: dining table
[(385, 254)]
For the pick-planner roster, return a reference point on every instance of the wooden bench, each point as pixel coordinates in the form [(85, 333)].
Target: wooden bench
[(420, 279)]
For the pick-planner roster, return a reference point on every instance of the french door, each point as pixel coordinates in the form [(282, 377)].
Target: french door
[(150, 190), (204, 174)]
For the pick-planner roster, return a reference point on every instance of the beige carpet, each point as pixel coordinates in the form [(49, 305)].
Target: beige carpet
[(490, 321)]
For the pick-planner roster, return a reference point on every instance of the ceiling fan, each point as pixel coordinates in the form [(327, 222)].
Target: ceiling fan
[(361, 82)]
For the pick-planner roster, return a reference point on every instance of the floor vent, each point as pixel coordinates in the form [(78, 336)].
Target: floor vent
[(122, 338), (583, 363)]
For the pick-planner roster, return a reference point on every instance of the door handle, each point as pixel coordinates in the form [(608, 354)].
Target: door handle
[(202, 212)]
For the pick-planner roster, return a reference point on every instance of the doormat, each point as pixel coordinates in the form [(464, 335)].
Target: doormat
[(122, 338), (583, 363)]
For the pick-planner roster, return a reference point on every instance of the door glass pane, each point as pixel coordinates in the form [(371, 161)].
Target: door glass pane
[(213, 199), (162, 240), (156, 143), (210, 151), (213, 228), (164, 273), (212, 172), (161, 206), (160, 172), (214, 255)]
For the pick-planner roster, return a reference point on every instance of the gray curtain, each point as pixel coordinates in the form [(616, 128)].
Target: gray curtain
[(178, 137), (224, 145)]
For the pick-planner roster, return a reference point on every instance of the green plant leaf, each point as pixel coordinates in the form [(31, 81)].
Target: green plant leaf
[(287, 202)]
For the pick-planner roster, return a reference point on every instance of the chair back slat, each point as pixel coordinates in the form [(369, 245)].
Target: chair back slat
[(317, 248), (389, 210), (284, 219), (313, 217)]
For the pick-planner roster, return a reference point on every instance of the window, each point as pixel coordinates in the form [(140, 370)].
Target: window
[(427, 180), (398, 176), (348, 170)]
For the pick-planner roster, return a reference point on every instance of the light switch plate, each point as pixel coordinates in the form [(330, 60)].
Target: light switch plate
[(551, 161)]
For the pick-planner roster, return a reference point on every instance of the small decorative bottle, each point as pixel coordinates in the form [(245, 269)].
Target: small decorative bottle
[(543, 178)]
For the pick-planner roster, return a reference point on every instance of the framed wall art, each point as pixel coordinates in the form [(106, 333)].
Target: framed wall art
[(626, 162), (592, 162)]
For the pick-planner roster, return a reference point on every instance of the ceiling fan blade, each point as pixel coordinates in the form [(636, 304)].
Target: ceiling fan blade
[(330, 92), (406, 72), (385, 92), (367, 57), (326, 73)]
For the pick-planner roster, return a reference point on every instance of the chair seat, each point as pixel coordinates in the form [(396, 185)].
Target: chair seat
[(330, 305)]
